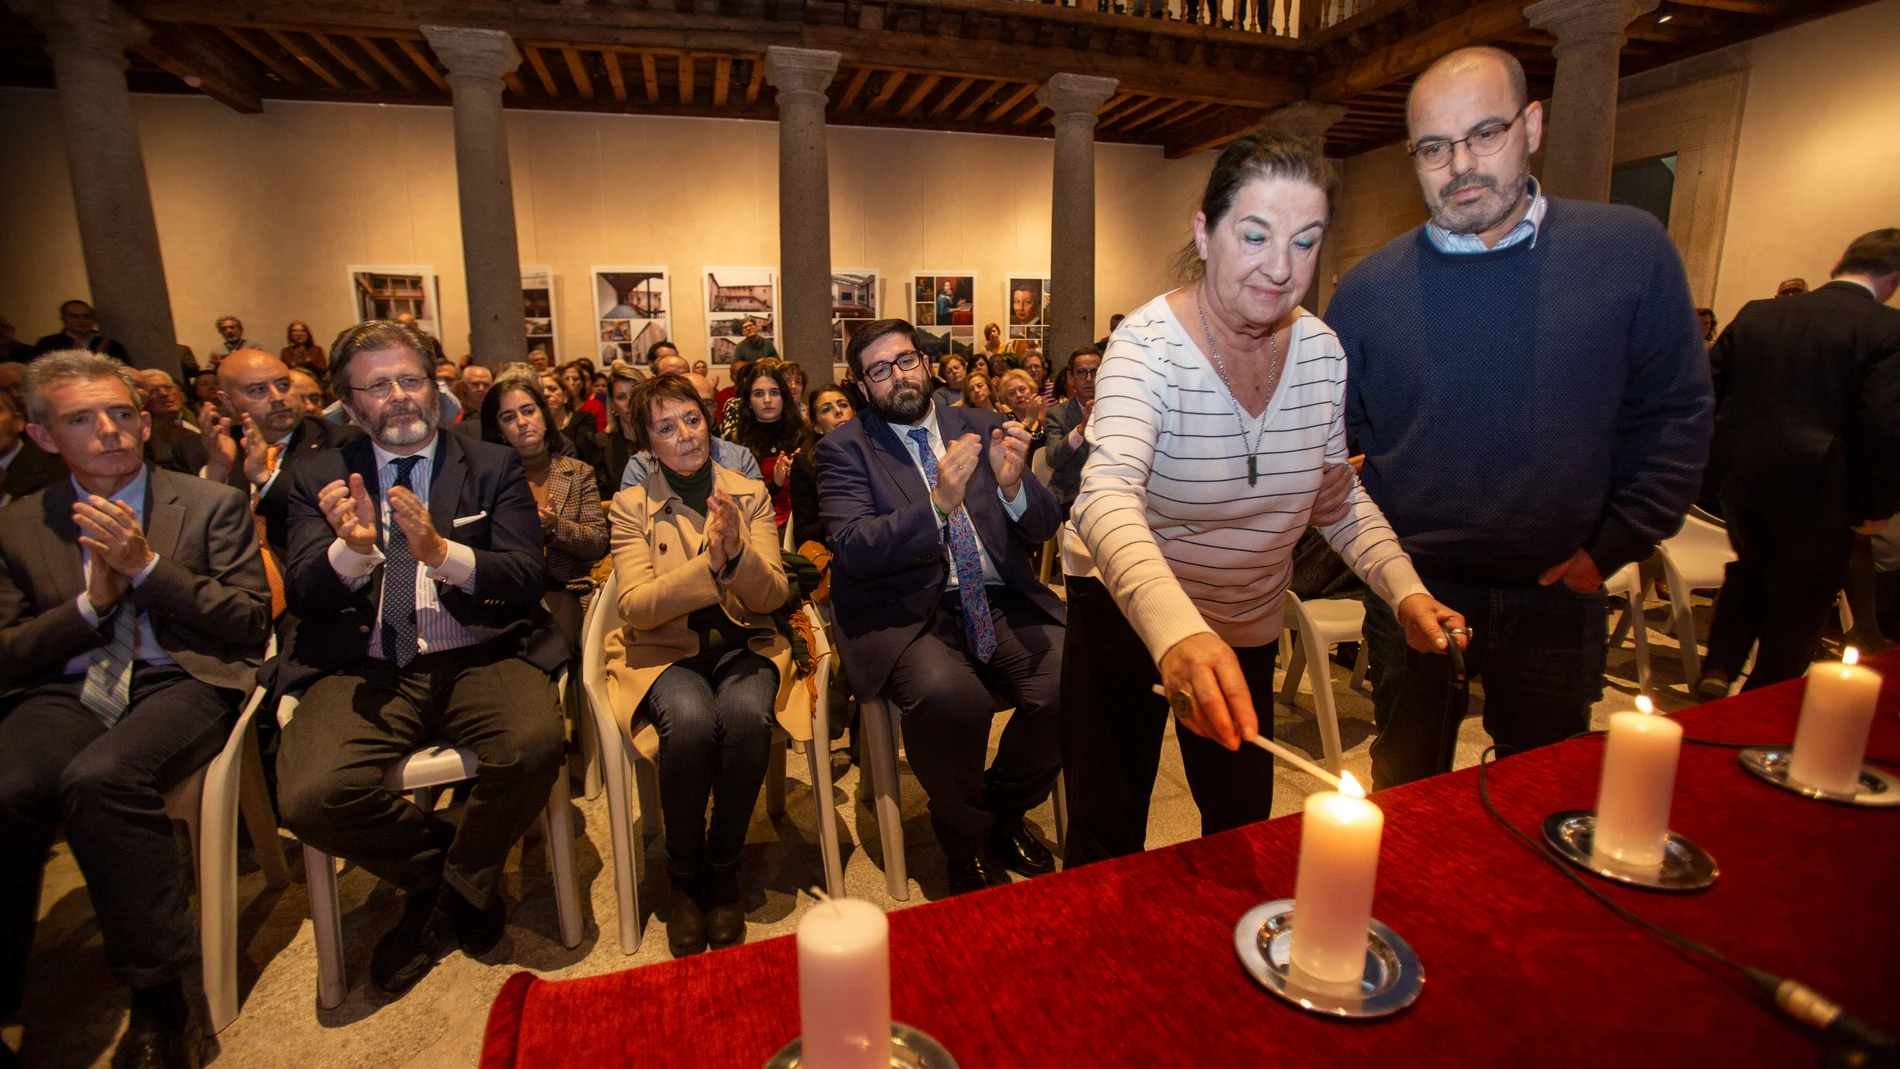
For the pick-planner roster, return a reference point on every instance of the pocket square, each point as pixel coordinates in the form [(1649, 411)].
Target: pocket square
[(464, 521)]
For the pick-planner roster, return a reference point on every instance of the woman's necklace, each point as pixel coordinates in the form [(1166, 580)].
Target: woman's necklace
[(1273, 382)]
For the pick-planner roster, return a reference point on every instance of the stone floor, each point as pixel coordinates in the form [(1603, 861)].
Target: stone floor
[(74, 1011)]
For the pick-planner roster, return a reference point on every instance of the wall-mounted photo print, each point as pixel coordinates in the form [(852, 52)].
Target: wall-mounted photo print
[(943, 306), (632, 310), (1028, 312), (385, 291), (537, 306), (853, 301), (741, 313)]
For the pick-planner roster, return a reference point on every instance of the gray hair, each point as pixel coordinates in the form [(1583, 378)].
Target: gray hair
[(375, 335), (70, 365)]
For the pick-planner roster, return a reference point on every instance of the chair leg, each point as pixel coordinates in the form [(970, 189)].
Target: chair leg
[(1681, 605), (560, 843), (1361, 664), (627, 845), (326, 922), (775, 783), (1062, 814), (215, 851), (880, 751), (255, 800), (591, 779), (1639, 636), (826, 809), (1295, 665), (1319, 669), (646, 777)]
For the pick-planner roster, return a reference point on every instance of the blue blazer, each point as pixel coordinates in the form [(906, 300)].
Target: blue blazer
[(888, 569)]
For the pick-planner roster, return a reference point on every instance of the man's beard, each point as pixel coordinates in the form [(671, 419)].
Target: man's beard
[(410, 424), (1480, 215), (907, 403)]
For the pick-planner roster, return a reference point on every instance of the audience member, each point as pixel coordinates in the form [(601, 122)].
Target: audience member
[(577, 378), (950, 372), (447, 374), (663, 358), (907, 488), (727, 405), (308, 390), (303, 350), (555, 395), (1792, 287), (79, 330), (11, 376), (165, 403), (699, 367), (998, 365), (1066, 443), (204, 391), (828, 408), (1037, 366), (25, 468), (1525, 440), (133, 617), (416, 558), (977, 391), (472, 390), (753, 345), (434, 352), (1026, 405), (615, 446), (697, 653), (771, 426), (1114, 324), (1706, 317), (992, 343), (12, 349), (230, 339)]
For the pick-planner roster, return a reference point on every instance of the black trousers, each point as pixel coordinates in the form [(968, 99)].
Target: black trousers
[(1776, 592), (352, 725), (60, 764), (943, 694), (1113, 724)]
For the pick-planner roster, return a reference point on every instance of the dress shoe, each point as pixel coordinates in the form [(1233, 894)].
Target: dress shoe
[(478, 930), (974, 874), (149, 1043), (423, 936), (725, 923), (686, 916), (1713, 686), (1018, 850)]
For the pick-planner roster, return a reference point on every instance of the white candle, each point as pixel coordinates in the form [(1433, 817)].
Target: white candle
[(1836, 713), (844, 985), (1639, 778), (1332, 896)]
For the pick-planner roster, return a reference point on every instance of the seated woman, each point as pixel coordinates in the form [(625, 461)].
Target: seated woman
[(573, 527), (1024, 399), (697, 560), (950, 371), (615, 444), (828, 407), (771, 427), (976, 390)]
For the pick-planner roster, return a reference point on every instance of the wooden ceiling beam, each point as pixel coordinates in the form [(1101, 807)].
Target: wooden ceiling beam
[(1482, 23), (350, 64), (616, 78), (918, 94), (541, 71), (686, 78), (650, 76), (422, 63), (950, 96), (577, 70), (757, 80), (855, 87), (291, 75), (722, 80), (303, 56), (892, 80), (1169, 108), (1009, 104), (980, 99), (181, 52), (1181, 116), (515, 85), (1111, 103), (389, 66)]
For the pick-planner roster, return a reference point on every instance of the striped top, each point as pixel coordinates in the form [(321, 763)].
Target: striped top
[(1165, 515)]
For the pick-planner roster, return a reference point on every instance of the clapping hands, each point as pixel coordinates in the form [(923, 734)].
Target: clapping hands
[(725, 531)]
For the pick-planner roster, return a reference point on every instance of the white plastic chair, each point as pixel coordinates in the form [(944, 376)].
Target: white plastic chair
[(1693, 559), (632, 778), (1320, 625), (1628, 581), (422, 774), (207, 802)]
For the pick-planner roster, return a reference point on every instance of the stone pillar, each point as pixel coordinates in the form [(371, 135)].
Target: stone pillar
[(1580, 139), (800, 76), (1074, 98), (1309, 122), (476, 60), (118, 234)]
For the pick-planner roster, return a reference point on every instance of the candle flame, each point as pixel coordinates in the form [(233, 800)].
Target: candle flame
[(1850, 655), (1644, 705), (1350, 787)]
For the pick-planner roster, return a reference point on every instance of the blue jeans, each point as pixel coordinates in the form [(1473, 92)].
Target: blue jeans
[(1540, 651), (715, 723)]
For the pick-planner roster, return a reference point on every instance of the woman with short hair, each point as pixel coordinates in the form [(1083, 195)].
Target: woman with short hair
[(1025, 401), (977, 391)]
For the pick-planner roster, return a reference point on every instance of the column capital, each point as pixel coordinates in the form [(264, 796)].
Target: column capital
[(98, 27), (1304, 119), (473, 53), (1581, 22), (800, 70), (1070, 95)]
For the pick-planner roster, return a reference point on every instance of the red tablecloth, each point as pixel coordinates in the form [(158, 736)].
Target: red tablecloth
[(1131, 963)]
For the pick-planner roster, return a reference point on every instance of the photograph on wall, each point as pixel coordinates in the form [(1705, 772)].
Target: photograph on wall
[(632, 310), (741, 313), (537, 307), (853, 301), (1028, 312), (944, 308), (385, 291)]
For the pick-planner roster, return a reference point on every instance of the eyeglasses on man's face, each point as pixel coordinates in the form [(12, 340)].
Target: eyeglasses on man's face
[(908, 360), (1486, 140), (410, 384)]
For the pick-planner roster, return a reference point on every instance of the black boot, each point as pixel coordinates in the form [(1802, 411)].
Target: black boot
[(163, 1032), (725, 924), (420, 939), (478, 929), (686, 915)]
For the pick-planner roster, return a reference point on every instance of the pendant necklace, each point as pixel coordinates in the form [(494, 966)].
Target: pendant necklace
[(1273, 383)]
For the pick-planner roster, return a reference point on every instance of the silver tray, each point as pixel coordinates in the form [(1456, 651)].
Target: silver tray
[(1685, 866), (1877, 788), (910, 1049), (1392, 981)]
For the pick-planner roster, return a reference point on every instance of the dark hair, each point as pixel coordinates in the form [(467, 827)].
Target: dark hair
[(785, 434), (1874, 253), (811, 400), (491, 409), (1268, 154), (310, 336), (68, 304), (653, 351), (871, 331), (649, 392), (373, 336), (1086, 350)]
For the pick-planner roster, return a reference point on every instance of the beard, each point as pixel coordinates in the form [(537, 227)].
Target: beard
[(403, 423), (907, 403), (1485, 212)]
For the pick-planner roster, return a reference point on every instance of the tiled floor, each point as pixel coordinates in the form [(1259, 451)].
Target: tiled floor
[(74, 1011)]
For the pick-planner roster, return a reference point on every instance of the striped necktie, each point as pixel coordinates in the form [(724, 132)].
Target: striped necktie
[(978, 628), (108, 688), (399, 582)]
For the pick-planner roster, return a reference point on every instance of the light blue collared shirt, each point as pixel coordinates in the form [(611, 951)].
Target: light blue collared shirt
[(1525, 230), (131, 495), (730, 455), (1015, 509)]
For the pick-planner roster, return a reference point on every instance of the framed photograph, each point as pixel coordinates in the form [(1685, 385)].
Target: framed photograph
[(853, 301), (633, 308), (741, 303), (537, 306), (1028, 297), (943, 305), (385, 291)]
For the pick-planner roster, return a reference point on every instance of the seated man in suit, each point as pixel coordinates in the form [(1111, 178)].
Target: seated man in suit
[(24, 466), (1066, 448), (416, 564), (133, 616), (931, 514)]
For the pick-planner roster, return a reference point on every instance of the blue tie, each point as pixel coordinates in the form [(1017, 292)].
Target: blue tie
[(978, 628), (399, 582)]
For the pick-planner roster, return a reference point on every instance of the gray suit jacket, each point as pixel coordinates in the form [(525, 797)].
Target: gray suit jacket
[(1065, 464), (208, 600)]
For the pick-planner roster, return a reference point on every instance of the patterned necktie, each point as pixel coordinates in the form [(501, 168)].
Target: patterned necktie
[(399, 582), (978, 628), (108, 688), (273, 569)]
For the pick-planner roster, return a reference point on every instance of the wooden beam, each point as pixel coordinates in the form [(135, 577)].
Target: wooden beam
[(290, 75), (857, 86), (303, 56), (892, 79), (577, 70), (1213, 131), (422, 63), (1129, 103), (757, 80), (369, 46), (1035, 108), (1480, 24), (515, 85), (943, 102), (686, 78), (722, 80), (344, 58), (650, 74), (1181, 116), (180, 51), (1167, 108), (1009, 104), (981, 98), (917, 95), (1111, 102), (615, 77), (541, 71)]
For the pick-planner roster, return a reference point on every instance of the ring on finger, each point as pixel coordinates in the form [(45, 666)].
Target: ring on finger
[(1181, 703)]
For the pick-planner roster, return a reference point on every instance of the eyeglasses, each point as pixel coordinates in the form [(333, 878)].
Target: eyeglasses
[(381, 387), (1484, 141), (908, 360), (1082, 372)]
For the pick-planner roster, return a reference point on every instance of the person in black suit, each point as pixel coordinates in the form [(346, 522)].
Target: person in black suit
[(24, 466), (1807, 444), (931, 514), (79, 330), (416, 563), (133, 616)]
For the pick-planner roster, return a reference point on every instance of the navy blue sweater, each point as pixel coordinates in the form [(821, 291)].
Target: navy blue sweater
[(1518, 404)]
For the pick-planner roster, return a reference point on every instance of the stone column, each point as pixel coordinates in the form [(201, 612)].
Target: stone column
[(118, 234), (800, 76), (1580, 139), (1074, 98), (1309, 122), (476, 60)]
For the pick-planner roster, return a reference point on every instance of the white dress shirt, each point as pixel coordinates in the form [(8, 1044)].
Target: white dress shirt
[(132, 495), (1016, 508)]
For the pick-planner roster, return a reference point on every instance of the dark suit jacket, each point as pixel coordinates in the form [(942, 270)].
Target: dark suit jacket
[(470, 479), (310, 435), (1807, 407), (888, 572), (207, 598), (34, 469), (1065, 464)]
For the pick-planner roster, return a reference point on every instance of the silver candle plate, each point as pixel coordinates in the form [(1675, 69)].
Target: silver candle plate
[(1685, 866), (1392, 980), (911, 1048), (1876, 788)]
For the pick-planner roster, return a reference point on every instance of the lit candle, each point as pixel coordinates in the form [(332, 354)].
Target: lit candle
[(1639, 778), (844, 985), (1332, 896), (1836, 713)]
